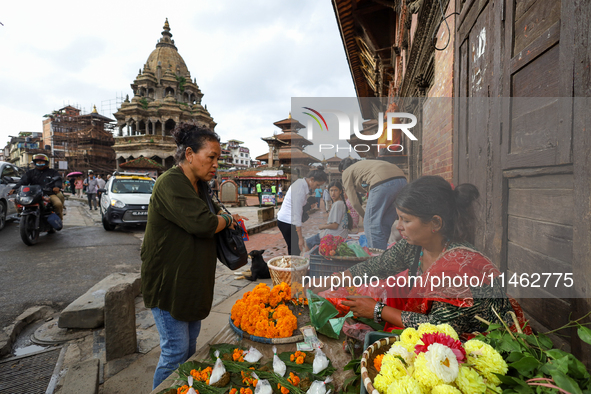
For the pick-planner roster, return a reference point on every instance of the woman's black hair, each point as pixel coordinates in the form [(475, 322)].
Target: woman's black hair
[(189, 135), (318, 174), (339, 185), (432, 195), (346, 163)]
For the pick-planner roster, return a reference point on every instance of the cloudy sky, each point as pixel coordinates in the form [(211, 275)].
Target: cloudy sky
[(249, 58)]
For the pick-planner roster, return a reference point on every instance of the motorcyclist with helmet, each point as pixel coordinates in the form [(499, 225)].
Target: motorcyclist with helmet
[(41, 175)]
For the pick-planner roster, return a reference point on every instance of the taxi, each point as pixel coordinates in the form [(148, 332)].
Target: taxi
[(125, 200)]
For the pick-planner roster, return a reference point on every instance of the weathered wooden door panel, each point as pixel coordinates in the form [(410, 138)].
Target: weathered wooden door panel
[(514, 49)]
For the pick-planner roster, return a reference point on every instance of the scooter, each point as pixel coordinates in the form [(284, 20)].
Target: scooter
[(36, 212)]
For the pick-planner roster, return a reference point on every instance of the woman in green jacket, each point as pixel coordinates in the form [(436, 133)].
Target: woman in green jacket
[(179, 251)]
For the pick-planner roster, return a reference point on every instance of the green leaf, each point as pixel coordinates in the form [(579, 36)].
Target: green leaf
[(507, 380), (526, 365), (585, 334), (545, 342), (353, 364), (351, 381), (515, 356), (494, 326), (508, 345), (566, 383), (556, 353)]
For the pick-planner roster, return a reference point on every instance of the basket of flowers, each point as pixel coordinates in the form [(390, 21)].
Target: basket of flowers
[(269, 315), (431, 360)]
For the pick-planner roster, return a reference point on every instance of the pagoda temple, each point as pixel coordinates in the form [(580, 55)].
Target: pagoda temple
[(164, 94), (287, 147)]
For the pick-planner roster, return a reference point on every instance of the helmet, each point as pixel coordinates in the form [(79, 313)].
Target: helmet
[(40, 157)]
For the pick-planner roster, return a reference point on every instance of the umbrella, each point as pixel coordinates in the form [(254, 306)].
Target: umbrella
[(74, 173)]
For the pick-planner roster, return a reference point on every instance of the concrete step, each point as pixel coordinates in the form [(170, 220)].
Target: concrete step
[(88, 310), (83, 378)]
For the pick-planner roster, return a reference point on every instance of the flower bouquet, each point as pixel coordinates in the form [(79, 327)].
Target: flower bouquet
[(431, 360)]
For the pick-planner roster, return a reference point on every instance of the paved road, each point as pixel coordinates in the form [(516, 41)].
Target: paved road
[(62, 266)]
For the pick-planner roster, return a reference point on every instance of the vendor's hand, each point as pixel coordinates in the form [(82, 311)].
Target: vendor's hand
[(56, 190), (361, 306), (302, 244), (235, 219)]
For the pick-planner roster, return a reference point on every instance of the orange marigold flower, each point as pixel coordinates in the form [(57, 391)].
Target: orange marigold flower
[(293, 379), (291, 358), (377, 362), (234, 390), (300, 360), (182, 390), (238, 355)]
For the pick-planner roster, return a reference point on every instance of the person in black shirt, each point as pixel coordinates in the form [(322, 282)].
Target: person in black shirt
[(41, 175)]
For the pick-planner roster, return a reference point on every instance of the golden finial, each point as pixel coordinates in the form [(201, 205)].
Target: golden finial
[(94, 111), (289, 117), (166, 25)]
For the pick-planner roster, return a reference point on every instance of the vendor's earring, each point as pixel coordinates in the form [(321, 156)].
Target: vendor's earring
[(433, 230)]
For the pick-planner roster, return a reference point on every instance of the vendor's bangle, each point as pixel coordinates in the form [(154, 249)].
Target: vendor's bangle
[(377, 312), (225, 216)]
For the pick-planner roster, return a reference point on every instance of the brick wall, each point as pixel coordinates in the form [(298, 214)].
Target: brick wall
[(438, 110)]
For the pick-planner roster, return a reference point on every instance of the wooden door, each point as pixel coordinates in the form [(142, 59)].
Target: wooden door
[(513, 138)]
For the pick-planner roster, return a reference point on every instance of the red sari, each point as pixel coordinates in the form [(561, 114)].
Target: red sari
[(466, 266)]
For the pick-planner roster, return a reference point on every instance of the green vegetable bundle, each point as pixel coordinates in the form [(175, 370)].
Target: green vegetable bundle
[(345, 250)]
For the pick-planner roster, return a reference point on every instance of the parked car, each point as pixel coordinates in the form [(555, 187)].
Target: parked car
[(125, 199), (9, 176)]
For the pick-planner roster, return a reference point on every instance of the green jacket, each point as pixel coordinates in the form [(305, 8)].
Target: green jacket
[(179, 252)]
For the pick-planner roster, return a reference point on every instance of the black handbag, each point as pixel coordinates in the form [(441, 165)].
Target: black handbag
[(231, 250)]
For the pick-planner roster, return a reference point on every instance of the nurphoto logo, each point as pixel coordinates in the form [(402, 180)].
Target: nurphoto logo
[(393, 122)]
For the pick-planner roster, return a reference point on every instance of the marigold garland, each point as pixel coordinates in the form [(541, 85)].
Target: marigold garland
[(262, 312)]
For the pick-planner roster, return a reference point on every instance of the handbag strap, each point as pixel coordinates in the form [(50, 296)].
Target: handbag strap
[(208, 195)]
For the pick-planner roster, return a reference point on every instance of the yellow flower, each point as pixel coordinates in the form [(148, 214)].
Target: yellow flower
[(405, 385), (445, 389), (409, 336), (447, 329), (469, 382), (392, 369), (427, 328), (486, 360), (424, 373)]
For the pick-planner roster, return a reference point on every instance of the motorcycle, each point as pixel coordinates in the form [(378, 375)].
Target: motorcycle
[(36, 212)]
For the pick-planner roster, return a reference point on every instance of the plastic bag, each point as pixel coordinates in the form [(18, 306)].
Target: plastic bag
[(319, 387), (322, 314), (363, 240), (357, 331), (337, 296), (359, 252), (278, 364), (190, 383), (263, 386), (218, 369), (320, 362), (253, 355)]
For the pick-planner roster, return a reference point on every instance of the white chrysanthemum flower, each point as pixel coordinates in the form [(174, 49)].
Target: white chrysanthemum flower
[(397, 350), (443, 362)]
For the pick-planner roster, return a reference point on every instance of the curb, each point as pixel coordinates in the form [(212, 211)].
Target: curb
[(9, 334), (261, 227)]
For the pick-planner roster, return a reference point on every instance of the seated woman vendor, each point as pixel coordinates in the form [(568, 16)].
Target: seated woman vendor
[(436, 224), (339, 220)]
